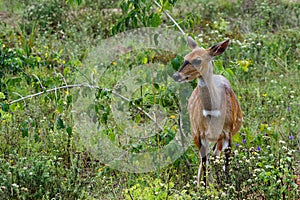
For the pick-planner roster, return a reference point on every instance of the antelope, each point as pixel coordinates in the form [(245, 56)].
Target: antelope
[(214, 112)]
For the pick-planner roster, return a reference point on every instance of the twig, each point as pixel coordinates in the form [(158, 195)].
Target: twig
[(90, 86), (43, 92), (181, 132), (19, 96), (39, 81), (130, 195), (169, 16), (183, 33)]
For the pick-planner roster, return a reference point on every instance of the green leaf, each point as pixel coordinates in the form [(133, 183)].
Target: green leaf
[(155, 20), (24, 132), (2, 96), (134, 22), (156, 86), (69, 131), (69, 100), (127, 21), (71, 2), (60, 123), (104, 118), (176, 63), (138, 118), (36, 137), (5, 107), (67, 71)]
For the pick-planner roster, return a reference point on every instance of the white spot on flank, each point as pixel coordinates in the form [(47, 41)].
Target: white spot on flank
[(214, 113)]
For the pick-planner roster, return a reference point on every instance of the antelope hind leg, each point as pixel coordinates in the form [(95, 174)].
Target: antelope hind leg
[(227, 150)]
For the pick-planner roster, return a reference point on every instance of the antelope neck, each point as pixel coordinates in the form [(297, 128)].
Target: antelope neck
[(209, 94)]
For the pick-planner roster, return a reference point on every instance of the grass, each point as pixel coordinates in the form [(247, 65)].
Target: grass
[(42, 155)]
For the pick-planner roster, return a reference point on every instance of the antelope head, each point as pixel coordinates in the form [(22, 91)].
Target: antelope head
[(197, 64)]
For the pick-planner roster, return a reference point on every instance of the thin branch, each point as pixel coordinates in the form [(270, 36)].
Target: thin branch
[(130, 195), (46, 91), (169, 16), (90, 86), (108, 90), (183, 33), (19, 96), (59, 74), (39, 81), (137, 107)]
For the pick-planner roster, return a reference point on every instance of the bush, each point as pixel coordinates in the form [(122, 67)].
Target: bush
[(49, 15)]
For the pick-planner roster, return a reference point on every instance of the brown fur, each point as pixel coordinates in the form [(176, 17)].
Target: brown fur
[(215, 114)]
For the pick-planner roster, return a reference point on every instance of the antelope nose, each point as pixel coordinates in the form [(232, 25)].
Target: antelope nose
[(176, 76)]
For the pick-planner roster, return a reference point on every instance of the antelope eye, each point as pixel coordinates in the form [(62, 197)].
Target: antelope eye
[(196, 62)]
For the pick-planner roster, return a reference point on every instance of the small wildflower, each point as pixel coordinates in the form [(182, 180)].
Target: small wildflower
[(258, 148), (244, 141), (15, 185), (291, 137), (172, 116), (244, 64), (288, 109), (284, 148), (100, 169), (2, 187), (237, 144), (24, 189), (264, 95), (282, 142)]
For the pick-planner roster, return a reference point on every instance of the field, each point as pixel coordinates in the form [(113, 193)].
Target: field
[(89, 109)]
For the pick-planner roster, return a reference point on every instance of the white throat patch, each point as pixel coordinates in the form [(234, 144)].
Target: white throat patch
[(201, 82)]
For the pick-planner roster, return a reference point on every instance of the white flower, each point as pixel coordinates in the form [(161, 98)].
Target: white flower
[(15, 185)]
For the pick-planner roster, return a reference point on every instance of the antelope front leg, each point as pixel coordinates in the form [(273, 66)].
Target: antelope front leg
[(203, 155), (202, 169), (199, 170)]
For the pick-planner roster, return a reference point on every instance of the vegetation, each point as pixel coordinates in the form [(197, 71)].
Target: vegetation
[(46, 44)]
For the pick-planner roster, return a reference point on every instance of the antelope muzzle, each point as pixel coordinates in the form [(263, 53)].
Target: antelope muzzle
[(181, 75)]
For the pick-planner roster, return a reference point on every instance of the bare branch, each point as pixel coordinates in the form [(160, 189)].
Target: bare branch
[(170, 17), (90, 86), (44, 92)]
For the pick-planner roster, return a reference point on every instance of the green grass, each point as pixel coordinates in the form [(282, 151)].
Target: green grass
[(45, 44)]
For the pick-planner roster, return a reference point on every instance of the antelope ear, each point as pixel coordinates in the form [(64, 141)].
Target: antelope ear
[(192, 44), (219, 48)]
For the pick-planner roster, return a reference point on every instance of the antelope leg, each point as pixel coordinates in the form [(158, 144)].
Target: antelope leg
[(199, 170), (203, 154)]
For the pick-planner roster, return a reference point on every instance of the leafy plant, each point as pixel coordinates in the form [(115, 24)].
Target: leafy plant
[(42, 44), (140, 13)]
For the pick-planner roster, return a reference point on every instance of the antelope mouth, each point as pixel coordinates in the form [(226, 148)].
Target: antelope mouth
[(180, 79)]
